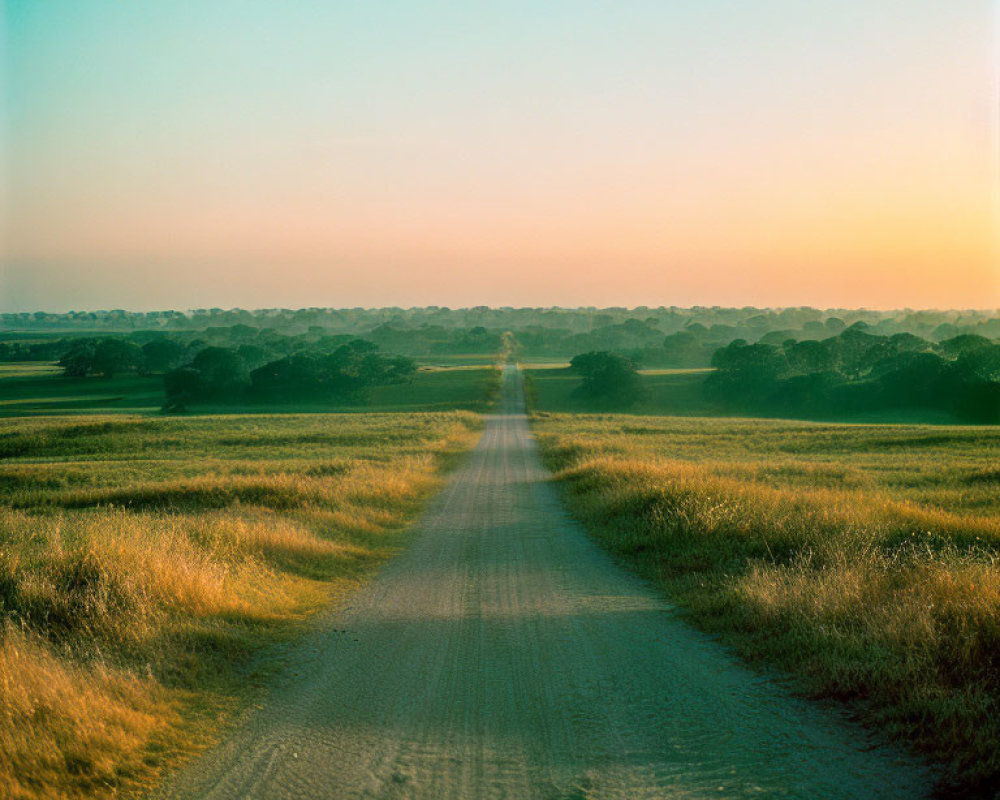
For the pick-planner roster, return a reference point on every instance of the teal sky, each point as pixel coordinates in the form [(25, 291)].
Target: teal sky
[(184, 154)]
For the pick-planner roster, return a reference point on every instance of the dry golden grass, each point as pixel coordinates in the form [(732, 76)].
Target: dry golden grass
[(72, 729), (143, 562), (864, 560)]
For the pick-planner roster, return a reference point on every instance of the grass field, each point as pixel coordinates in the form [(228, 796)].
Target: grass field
[(865, 560), (28, 369), (146, 563), (40, 389)]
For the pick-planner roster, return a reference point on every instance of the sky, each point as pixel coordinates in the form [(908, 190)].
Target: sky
[(199, 153)]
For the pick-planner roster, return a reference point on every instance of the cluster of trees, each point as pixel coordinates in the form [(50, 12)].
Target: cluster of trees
[(19, 348), (344, 374), (150, 352), (609, 380), (106, 357), (437, 339), (194, 370), (110, 356), (859, 371)]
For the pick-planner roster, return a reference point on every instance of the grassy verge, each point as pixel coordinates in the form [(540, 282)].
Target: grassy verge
[(145, 563), (865, 560)]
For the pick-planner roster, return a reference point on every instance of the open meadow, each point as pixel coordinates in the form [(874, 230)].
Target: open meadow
[(146, 563), (864, 560)]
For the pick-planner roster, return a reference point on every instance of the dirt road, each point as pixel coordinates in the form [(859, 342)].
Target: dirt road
[(504, 655)]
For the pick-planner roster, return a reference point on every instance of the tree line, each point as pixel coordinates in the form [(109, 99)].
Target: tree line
[(663, 336), (196, 372), (854, 372), (858, 371)]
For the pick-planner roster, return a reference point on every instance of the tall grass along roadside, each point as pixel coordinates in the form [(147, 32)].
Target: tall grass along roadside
[(865, 560), (143, 563)]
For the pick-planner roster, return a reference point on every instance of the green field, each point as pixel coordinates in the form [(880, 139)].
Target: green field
[(41, 389), (863, 559), (145, 561), (28, 369), (664, 392)]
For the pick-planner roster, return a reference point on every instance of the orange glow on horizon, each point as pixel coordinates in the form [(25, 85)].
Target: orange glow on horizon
[(801, 163)]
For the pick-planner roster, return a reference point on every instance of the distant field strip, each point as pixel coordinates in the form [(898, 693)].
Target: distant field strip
[(41, 389), (145, 562), (863, 559)]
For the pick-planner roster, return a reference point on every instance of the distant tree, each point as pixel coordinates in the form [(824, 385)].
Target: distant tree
[(398, 369), (746, 374), (78, 360), (777, 337), (346, 373), (814, 329), (181, 387), (909, 343), (981, 362), (608, 378), (253, 356), (112, 356), (808, 356), (962, 345), (946, 330), (764, 360), (162, 355), (857, 351), (297, 375), (223, 374), (915, 380), (685, 349)]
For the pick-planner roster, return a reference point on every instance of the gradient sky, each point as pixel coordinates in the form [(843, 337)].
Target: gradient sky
[(195, 153)]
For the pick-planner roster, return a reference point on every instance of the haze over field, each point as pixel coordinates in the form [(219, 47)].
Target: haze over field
[(297, 154)]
